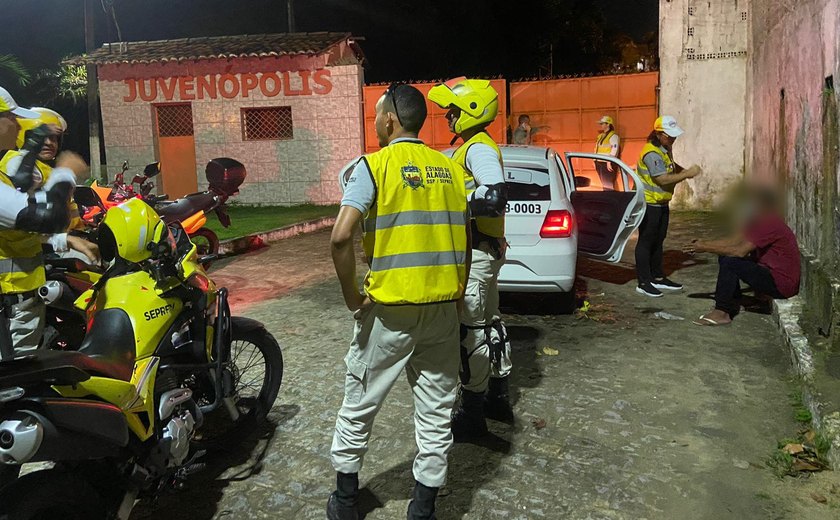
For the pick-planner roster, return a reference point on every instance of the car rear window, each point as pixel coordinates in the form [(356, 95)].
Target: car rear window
[(528, 184)]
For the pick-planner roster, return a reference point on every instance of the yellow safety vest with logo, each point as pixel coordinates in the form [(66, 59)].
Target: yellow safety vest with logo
[(490, 226), (603, 146), (21, 256), (654, 193), (415, 234)]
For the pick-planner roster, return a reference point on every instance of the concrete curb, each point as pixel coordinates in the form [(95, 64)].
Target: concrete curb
[(787, 313), (235, 246)]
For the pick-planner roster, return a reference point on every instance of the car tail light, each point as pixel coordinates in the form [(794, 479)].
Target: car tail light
[(557, 224)]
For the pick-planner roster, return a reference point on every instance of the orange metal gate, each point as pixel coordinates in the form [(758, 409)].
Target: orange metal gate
[(435, 132), (569, 108)]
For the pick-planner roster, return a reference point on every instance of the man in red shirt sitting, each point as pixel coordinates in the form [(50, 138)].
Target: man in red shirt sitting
[(764, 255)]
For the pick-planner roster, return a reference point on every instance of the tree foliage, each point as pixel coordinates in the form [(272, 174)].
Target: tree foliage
[(65, 82), (12, 69)]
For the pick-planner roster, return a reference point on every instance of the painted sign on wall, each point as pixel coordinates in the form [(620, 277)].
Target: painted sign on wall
[(229, 86)]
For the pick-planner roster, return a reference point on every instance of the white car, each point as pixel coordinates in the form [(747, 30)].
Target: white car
[(550, 221)]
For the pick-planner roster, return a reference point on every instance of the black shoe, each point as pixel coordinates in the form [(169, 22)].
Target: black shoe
[(497, 401), (422, 505), (336, 511), (343, 502), (664, 284), (648, 289), (468, 420)]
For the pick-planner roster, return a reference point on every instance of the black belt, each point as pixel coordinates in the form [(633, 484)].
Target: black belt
[(16, 298)]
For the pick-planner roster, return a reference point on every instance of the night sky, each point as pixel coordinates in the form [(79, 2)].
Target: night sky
[(423, 39)]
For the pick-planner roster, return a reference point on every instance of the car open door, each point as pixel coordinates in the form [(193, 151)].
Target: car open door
[(606, 217)]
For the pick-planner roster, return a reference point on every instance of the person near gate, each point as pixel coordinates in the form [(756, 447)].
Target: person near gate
[(412, 202), (608, 143), (763, 254), (485, 349), (29, 208), (660, 174)]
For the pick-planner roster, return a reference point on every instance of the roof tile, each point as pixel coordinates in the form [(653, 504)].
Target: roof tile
[(207, 47)]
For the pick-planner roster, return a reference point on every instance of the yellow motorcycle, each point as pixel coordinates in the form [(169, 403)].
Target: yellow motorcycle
[(164, 373)]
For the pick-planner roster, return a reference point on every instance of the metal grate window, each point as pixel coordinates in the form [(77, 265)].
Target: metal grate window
[(174, 120), (267, 124)]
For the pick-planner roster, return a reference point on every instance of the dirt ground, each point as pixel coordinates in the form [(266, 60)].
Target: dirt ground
[(619, 414)]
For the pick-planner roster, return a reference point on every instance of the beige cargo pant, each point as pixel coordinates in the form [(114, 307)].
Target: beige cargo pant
[(423, 339), (482, 319), (26, 323)]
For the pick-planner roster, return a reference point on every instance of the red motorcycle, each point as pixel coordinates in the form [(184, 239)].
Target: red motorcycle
[(224, 176)]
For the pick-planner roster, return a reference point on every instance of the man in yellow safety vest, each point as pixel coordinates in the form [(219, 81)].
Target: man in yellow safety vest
[(608, 143), (660, 174), (412, 202), (472, 105), (34, 203)]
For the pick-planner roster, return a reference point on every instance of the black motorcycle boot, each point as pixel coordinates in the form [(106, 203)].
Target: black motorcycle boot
[(497, 401), (422, 505), (468, 420), (344, 501)]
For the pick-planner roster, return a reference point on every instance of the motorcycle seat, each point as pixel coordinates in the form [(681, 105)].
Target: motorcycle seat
[(58, 368), (188, 206)]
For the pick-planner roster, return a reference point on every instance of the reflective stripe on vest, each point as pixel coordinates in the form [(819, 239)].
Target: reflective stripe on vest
[(437, 258), (407, 218), (20, 265), (491, 226), (21, 260), (602, 145), (654, 193), (415, 234)]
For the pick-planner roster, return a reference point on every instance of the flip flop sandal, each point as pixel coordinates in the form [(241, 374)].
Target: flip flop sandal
[(703, 321)]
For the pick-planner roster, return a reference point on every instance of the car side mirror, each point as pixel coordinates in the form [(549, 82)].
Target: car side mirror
[(582, 182), (152, 169)]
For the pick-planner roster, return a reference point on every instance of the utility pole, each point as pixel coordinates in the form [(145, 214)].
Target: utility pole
[(92, 96), (290, 14)]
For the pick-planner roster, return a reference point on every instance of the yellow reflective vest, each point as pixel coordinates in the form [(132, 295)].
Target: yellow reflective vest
[(21, 256), (491, 226), (415, 234), (602, 145), (654, 193)]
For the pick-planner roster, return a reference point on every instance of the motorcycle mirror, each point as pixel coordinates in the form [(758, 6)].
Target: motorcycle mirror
[(86, 196), (152, 169)]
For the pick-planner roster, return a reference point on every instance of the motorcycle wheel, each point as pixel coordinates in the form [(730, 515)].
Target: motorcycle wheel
[(207, 243), (256, 371), (51, 494)]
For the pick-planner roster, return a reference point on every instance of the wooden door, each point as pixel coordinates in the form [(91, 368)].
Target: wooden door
[(176, 149)]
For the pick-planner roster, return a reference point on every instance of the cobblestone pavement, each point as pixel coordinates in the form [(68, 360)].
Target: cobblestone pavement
[(643, 417)]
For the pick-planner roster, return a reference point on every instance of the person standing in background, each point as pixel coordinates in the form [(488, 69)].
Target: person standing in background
[(524, 133), (608, 143)]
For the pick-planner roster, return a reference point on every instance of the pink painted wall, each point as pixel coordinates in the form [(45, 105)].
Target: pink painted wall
[(795, 48)]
